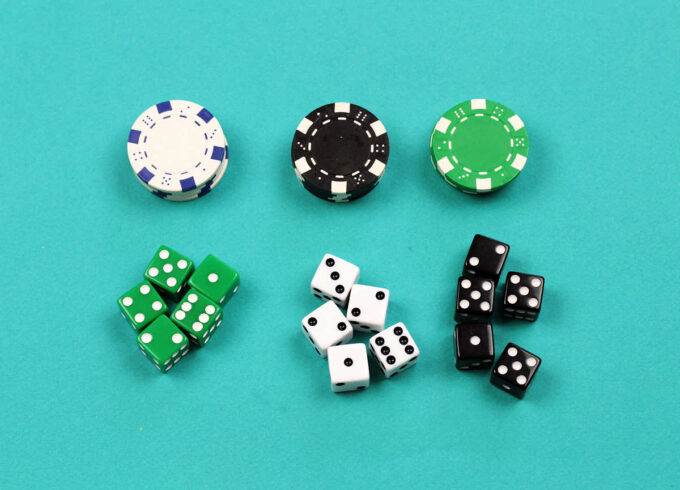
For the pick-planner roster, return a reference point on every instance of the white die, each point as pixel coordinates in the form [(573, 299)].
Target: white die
[(367, 307), (394, 349), (348, 367), (334, 279), (327, 326)]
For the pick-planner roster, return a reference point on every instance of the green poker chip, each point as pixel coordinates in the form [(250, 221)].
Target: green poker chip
[(479, 146)]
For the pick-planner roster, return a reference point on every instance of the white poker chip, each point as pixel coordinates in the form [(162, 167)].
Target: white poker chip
[(176, 147), (195, 194)]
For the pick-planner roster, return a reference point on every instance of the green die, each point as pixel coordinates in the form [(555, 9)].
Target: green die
[(169, 271), (198, 316), (215, 279), (163, 343), (141, 305)]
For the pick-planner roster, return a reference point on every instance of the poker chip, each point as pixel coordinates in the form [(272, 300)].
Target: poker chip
[(200, 192), (177, 150), (479, 146), (340, 151)]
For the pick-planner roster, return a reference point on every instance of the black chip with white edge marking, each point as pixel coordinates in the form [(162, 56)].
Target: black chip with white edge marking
[(340, 151)]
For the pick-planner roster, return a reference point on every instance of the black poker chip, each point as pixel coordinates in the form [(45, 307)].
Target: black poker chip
[(340, 151)]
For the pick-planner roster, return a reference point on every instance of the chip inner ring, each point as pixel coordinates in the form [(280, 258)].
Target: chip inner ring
[(480, 142)]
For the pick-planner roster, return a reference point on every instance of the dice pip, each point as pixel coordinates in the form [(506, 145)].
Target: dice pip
[(473, 345), (486, 258), (334, 279), (169, 271), (215, 280), (327, 326), (394, 349), (474, 298), (514, 370), (348, 367), (198, 316), (163, 343), (523, 296), (367, 307), (141, 305)]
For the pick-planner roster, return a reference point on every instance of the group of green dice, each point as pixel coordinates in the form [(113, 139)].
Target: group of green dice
[(198, 295)]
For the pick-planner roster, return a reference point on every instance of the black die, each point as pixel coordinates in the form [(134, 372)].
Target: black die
[(474, 299), (523, 296), (514, 370), (486, 257), (473, 345)]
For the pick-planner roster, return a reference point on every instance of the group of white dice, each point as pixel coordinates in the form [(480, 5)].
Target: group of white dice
[(329, 329)]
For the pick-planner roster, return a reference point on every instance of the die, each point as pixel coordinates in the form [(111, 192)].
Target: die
[(474, 299), (215, 279), (514, 370), (334, 278), (367, 307), (327, 326), (169, 271), (348, 367), (394, 349), (141, 305), (163, 343), (486, 257), (473, 345), (198, 316), (523, 296)]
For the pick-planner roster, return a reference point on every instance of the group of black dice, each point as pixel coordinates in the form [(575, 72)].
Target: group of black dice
[(475, 294)]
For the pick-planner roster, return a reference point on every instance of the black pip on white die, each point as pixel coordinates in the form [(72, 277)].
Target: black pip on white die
[(334, 278), (486, 257), (514, 370), (523, 296), (474, 298), (394, 349)]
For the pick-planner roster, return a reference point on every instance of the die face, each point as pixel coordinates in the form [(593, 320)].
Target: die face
[(394, 349), (523, 296), (327, 326), (198, 316), (169, 271), (486, 257), (514, 370), (367, 307), (348, 367), (474, 298), (474, 345), (334, 279), (141, 305), (163, 343), (215, 279)]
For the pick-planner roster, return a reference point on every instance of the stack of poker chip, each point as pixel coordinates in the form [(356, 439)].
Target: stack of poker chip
[(340, 151), (479, 146), (177, 150)]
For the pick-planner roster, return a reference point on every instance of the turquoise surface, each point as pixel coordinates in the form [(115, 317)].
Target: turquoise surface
[(596, 211)]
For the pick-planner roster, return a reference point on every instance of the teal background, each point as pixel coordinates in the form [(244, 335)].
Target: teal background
[(595, 211)]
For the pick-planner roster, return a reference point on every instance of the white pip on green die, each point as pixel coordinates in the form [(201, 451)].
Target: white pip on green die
[(163, 343), (215, 279), (141, 305), (198, 316), (169, 271)]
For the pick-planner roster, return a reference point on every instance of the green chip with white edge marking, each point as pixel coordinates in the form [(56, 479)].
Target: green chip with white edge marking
[(479, 146)]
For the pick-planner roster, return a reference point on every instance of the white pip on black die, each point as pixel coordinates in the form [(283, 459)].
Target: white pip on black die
[(348, 367), (367, 307), (327, 326), (514, 370), (474, 298), (523, 296), (334, 278), (486, 257), (394, 349)]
